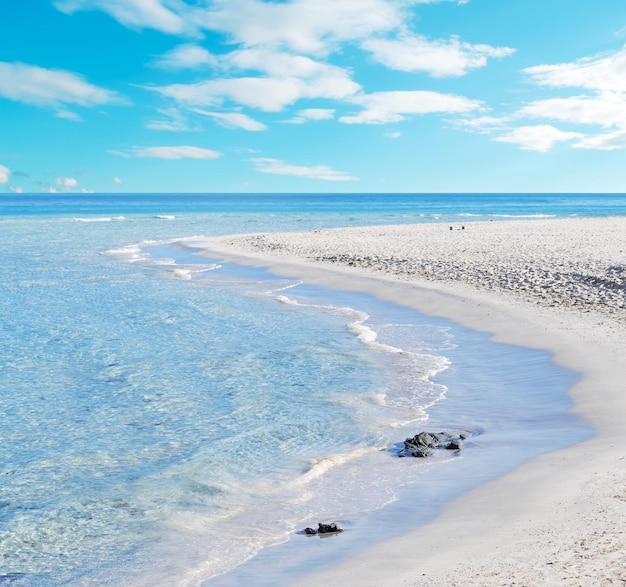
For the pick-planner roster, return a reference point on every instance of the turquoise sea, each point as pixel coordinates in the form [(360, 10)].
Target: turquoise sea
[(169, 419)]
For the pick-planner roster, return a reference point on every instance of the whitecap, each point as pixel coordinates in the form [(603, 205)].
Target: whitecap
[(99, 219)]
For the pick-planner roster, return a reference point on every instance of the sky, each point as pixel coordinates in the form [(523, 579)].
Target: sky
[(131, 96)]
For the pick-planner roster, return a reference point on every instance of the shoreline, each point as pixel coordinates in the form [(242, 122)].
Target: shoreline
[(555, 520)]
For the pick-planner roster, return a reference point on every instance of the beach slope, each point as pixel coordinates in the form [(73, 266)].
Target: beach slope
[(558, 285)]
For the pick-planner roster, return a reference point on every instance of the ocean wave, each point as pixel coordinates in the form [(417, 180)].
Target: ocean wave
[(99, 219), (128, 254), (164, 261), (187, 273), (317, 468), (139, 253), (426, 365), (357, 315)]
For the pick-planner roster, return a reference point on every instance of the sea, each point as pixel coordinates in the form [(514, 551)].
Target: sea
[(167, 418)]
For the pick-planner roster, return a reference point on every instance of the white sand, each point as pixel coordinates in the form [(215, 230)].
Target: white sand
[(558, 285)]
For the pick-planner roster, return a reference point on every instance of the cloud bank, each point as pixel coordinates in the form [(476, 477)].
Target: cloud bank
[(280, 53), (594, 117)]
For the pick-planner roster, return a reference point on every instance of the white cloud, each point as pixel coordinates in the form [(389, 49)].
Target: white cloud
[(603, 73), (279, 64), (385, 107), (16, 189), (304, 26), (317, 113), (607, 109), (288, 79), (537, 138), (393, 135), (270, 94), (187, 56), (117, 180), (604, 105), (173, 121), (132, 13), (120, 153), (5, 174), (309, 114), (486, 125), (233, 120), (604, 142), (178, 152), (67, 182), (68, 115), (62, 185), (50, 87), (438, 58), (278, 167)]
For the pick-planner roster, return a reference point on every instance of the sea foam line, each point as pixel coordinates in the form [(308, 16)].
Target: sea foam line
[(101, 219), (320, 467), (364, 333)]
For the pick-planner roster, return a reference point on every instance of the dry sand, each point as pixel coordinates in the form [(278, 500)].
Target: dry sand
[(558, 285)]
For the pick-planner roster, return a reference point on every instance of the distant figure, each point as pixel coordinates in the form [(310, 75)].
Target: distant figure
[(450, 228), (462, 227)]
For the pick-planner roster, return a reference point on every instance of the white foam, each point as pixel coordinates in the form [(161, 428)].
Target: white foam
[(129, 254), (369, 337), (181, 273), (320, 467), (189, 271), (164, 261), (101, 219), (137, 253)]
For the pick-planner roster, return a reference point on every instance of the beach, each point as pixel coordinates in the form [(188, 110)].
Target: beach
[(556, 285)]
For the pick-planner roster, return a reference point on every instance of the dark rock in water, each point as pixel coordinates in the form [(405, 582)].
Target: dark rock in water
[(423, 444), (324, 529), (454, 445)]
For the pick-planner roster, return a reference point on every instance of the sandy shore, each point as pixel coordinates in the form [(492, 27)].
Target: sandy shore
[(558, 285)]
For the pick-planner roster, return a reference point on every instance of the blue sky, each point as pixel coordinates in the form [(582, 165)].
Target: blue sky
[(313, 96)]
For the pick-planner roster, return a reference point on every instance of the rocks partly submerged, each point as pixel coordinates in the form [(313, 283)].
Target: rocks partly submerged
[(425, 443), (331, 528)]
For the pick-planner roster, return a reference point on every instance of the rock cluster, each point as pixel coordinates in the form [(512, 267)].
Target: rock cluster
[(423, 444), (331, 528)]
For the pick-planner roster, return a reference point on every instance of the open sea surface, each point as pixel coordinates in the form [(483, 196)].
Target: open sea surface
[(169, 419)]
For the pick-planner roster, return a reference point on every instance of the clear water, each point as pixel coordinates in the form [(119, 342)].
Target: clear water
[(169, 420)]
